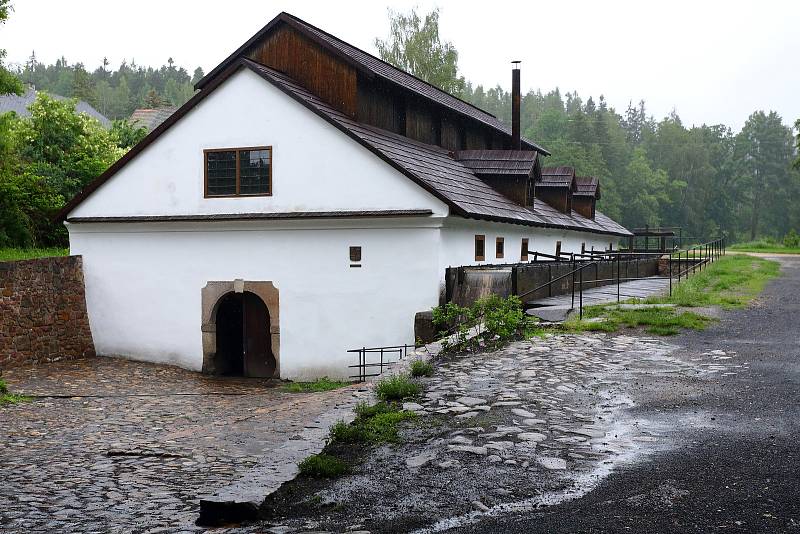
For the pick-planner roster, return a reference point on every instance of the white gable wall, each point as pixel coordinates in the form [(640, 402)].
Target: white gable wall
[(315, 166)]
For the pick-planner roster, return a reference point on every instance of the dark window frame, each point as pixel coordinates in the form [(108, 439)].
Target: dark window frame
[(237, 150), (355, 254), (482, 240), (499, 247), (523, 254)]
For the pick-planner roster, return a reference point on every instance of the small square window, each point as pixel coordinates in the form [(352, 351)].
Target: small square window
[(480, 248), (499, 246), (355, 254), (523, 254)]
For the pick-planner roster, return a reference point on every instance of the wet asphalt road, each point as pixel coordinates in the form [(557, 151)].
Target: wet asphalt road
[(735, 466)]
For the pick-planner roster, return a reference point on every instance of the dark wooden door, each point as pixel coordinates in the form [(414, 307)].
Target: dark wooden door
[(258, 358)]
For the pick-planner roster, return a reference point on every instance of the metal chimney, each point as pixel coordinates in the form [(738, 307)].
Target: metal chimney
[(516, 143)]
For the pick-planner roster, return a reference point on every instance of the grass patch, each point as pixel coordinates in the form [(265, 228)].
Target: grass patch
[(421, 368), (373, 424), (766, 248), (13, 254), (10, 398), (397, 388), (323, 466), (320, 384), (659, 321), (730, 282)]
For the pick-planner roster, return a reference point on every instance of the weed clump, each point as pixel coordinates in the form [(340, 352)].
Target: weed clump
[(421, 368), (397, 388), (323, 466), (320, 384)]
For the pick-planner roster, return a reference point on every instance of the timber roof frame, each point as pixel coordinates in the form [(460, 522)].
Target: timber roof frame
[(371, 67)]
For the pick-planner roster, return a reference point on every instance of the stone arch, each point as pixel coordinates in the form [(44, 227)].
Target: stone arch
[(211, 296)]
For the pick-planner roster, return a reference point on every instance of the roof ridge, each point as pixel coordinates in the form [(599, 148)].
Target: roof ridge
[(298, 19)]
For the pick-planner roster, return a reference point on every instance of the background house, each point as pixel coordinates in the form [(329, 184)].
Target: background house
[(306, 201), (19, 105)]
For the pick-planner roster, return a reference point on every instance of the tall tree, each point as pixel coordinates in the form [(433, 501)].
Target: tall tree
[(8, 82), (414, 45)]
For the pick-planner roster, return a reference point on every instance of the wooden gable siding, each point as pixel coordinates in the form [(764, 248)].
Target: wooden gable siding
[(557, 197), (585, 205), (379, 105), (452, 133), (515, 189), (288, 51), (423, 123)]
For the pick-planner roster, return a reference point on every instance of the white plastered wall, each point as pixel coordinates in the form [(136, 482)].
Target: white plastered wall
[(144, 285), (315, 166)]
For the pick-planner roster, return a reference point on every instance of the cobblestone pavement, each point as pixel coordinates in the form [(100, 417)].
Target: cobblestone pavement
[(110, 445), (532, 424)]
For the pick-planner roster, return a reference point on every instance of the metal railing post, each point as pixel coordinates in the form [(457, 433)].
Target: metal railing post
[(618, 258), (572, 279), (581, 293)]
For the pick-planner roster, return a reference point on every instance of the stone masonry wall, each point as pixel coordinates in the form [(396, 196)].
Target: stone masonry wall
[(43, 311)]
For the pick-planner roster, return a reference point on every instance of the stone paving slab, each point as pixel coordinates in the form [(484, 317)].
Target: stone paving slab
[(111, 445)]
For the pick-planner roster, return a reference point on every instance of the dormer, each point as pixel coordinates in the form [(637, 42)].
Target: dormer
[(511, 173), (556, 188), (586, 195)]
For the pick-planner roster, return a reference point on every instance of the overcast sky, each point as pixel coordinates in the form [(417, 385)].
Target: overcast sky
[(712, 61)]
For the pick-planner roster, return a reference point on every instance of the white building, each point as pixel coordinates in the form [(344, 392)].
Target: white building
[(304, 202)]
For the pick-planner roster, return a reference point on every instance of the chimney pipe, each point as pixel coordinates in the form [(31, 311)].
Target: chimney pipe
[(516, 142)]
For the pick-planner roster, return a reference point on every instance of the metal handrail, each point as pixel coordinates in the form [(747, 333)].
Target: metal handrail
[(708, 252), (400, 350)]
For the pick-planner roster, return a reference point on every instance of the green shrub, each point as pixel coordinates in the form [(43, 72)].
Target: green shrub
[(791, 240), (322, 466), (421, 368), (365, 411), (490, 321), (376, 424), (397, 387), (3, 387)]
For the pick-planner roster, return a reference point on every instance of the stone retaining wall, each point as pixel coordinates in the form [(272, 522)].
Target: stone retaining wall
[(43, 311)]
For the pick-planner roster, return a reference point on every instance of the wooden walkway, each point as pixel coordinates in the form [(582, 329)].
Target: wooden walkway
[(605, 294)]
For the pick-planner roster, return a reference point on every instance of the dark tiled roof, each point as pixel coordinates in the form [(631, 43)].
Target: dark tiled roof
[(258, 216), (557, 177), (587, 186), (435, 169), (498, 162), (19, 105), (374, 66), (151, 118)]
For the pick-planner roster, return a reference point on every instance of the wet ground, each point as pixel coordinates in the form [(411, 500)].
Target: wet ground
[(735, 463), (110, 445), (533, 424)]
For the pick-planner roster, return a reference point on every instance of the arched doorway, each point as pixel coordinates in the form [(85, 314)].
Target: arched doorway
[(243, 341)]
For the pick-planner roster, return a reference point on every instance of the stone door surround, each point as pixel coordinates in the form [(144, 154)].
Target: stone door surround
[(210, 297)]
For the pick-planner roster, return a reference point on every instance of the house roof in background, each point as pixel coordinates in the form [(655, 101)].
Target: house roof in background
[(372, 66), (19, 105), (151, 118), (499, 162), (587, 186)]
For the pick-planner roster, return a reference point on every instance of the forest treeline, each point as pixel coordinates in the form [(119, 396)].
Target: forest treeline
[(709, 180), (114, 93)]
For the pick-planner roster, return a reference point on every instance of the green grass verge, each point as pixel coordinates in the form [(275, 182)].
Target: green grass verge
[(10, 398), (396, 388), (659, 321), (320, 384), (730, 282), (13, 254), (764, 247), (323, 466)]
